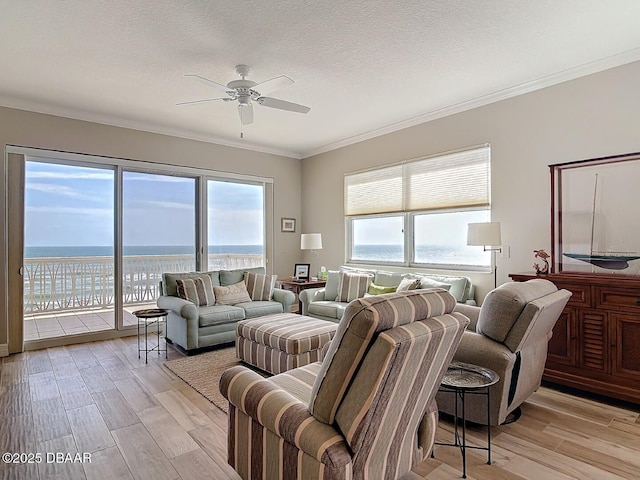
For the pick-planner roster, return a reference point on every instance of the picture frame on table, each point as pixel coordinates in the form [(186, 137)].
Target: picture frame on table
[(288, 224), (301, 271)]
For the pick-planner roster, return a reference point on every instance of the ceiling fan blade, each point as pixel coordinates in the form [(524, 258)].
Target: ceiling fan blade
[(282, 105), (269, 86), (211, 83), (246, 114), (202, 101)]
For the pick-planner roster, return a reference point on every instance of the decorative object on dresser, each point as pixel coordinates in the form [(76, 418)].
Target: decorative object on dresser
[(486, 235), (544, 256), (596, 340), (592, 206)]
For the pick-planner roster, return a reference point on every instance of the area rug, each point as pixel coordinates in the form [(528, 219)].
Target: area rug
[(203, 372)]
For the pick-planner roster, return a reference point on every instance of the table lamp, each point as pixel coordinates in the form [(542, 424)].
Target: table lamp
[(313, 242)]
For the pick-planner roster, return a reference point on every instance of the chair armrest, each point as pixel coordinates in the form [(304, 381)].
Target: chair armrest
[(285, 297), (470, 311), (284, 415), (310, 295), (180, 306), (480, 350)]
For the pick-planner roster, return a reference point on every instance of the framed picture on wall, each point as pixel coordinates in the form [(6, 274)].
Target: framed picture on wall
[(301, 271), (288, 224)]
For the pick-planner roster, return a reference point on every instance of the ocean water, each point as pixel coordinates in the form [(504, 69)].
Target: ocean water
[(432, 254), (106, 251)]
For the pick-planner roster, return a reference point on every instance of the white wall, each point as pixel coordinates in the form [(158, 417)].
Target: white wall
[(56, 133), (593, 116)]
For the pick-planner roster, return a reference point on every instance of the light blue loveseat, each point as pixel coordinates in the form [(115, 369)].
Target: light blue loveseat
[(191, 327)]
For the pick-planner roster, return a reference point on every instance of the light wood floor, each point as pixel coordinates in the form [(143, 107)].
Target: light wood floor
[(140, 421)]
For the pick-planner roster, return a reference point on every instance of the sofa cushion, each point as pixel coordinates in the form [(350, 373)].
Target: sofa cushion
[(217, 314), (169, 280), (231, 277), (197, 290), (232, 294), (331, 287), (326, 308), (352, 286), (388, 279), (407, 284), (375, 289), (426, 282), (502, 307), (260, 308), (460, 286), (259, 286)]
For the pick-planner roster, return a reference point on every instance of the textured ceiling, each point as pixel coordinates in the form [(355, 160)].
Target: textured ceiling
[(364, 67)]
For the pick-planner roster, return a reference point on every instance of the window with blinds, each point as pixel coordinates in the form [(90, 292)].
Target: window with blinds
[(416, 212)]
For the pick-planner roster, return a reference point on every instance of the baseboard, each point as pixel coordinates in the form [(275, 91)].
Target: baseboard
[(4, 349)]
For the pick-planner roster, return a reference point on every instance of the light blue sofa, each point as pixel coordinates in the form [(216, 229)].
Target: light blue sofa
[(321, 302), (191, 327)]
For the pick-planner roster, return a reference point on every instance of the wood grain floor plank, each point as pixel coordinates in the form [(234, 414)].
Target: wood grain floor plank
[(167, 432), (50, 419), (107, 464), (55, 469), (185, 412), (96, 379), (156, 379), (136, 394), (89, 429), (190, 466), (74, 392), (43, 385), (114, 409), (39, 362), (143, 455)]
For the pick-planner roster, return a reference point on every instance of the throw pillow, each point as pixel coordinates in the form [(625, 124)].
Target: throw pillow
[(431, 283), (407, 284), (232, 294), (352, 286), (260, 287), (379, 289), (197, 290)]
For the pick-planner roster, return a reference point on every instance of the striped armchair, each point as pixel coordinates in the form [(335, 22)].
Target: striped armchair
[(366, 412)]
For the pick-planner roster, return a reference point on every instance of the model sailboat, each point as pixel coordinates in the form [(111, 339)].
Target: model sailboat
[(608, 260)]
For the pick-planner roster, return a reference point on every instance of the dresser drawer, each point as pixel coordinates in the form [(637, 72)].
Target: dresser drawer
[(621, 299), (580, 294)]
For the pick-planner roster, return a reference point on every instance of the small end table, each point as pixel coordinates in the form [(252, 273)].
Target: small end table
[(466, 379), (150, 317), (297, 287)]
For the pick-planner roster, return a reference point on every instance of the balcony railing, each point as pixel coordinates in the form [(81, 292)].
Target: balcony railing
[(58, 284)]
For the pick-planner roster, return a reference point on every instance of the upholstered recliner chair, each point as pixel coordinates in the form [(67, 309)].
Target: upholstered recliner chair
[(508, 334), (367, 411)]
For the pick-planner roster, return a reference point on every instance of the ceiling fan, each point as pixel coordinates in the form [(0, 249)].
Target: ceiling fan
[(246, 92)]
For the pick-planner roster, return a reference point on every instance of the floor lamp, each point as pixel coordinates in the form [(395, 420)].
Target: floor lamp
[(486, 235), (313, 242)]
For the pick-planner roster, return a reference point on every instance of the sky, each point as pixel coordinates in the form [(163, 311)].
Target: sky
[(74, 206)]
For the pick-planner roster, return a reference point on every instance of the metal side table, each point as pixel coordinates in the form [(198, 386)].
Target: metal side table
[(149, 318), (465, 379)]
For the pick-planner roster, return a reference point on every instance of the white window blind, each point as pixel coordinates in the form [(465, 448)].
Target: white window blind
[(454, 180)]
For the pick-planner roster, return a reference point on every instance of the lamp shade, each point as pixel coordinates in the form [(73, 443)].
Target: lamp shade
[(482, 234), (311, 241)]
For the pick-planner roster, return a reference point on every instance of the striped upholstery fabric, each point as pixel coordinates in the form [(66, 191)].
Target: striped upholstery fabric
[(362, 321), (352, 286), (197, 290), (260, 287), (277, 343), (385, 419)]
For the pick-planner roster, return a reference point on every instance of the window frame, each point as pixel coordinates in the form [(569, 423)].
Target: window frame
[(409, 218)]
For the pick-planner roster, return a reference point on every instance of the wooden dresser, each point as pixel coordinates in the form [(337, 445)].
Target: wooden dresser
[(596, 341)]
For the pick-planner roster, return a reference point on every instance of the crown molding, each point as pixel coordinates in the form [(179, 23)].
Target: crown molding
[(26, 105), (543, 82)]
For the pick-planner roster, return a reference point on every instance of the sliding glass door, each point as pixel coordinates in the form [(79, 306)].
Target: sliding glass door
[(68, 249), (158, 234), (235, 219)]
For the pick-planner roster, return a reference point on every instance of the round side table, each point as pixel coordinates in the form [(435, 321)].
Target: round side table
[(150, 317), (466, 379)]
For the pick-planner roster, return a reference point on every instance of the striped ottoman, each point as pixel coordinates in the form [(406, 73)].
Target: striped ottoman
[(281, 342)]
